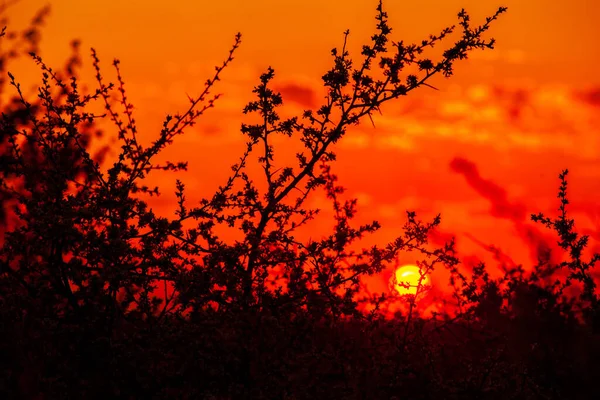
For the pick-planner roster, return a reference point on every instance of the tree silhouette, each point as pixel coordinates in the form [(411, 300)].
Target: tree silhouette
[(100, 297)]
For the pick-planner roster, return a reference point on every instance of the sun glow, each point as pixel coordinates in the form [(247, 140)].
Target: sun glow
[(405, 281)]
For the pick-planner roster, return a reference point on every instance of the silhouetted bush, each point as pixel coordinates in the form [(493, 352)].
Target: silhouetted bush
[(102, 298)]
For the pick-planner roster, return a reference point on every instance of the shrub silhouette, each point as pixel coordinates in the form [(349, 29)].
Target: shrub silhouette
[(102, 298)]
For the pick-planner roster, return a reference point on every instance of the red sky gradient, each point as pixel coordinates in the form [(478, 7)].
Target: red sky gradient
[(484, 150)]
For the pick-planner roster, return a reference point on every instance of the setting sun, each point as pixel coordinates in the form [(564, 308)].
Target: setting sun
[(408, 275)]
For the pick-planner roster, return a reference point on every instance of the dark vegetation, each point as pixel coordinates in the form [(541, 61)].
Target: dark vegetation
[(102, 298)]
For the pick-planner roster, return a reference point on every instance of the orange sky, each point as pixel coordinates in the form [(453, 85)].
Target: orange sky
[(484, 151)]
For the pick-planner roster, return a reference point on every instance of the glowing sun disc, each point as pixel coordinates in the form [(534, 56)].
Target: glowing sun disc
[(408, 274)]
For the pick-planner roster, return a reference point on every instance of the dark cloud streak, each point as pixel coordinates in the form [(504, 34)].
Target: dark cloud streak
[(539, 245), (302, 95)]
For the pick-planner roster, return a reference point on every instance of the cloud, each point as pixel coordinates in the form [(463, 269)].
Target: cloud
[(508, 56), (591, 96), (300, 94), (504, 260), (514, 101), (501, 207), (538, 243), (437, 237)]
